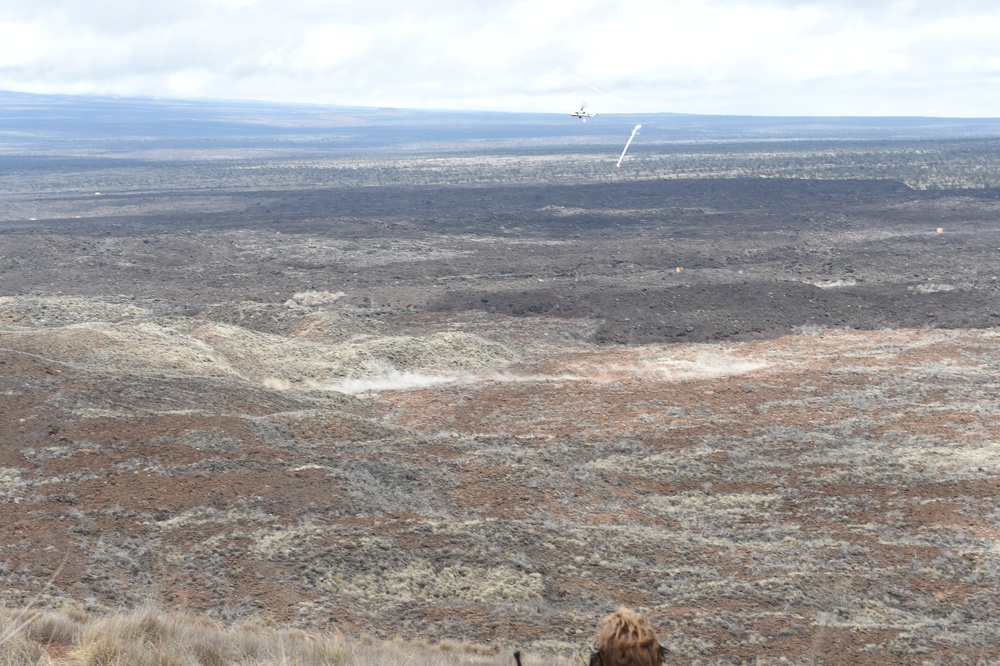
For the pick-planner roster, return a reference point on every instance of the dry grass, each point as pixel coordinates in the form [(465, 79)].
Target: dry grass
[(153, 637)]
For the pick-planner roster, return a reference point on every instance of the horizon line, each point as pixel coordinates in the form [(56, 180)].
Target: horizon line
[(386, 108)]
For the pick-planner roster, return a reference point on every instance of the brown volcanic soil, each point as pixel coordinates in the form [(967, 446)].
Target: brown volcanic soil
[(794, 455)]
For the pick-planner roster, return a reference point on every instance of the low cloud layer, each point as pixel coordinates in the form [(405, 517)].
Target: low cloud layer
[(776, 57)]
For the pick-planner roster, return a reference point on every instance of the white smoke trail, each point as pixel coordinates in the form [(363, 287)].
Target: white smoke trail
[(627, 143), (613, 99)]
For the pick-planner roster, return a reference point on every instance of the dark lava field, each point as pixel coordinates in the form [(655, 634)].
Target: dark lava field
[(651, 261)]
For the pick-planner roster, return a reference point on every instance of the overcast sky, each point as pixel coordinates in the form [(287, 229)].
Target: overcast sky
[(760, 57)]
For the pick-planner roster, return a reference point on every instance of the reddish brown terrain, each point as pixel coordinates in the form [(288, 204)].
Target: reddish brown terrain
[(762, 411)]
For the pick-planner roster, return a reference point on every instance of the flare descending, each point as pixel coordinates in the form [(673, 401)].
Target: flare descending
[(631, 136)]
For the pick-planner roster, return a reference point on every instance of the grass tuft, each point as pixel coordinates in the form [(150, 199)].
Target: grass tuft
[(149, 637), (152, 637)]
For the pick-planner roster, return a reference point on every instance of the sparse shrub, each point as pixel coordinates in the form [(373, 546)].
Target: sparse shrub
[(16, 647), (63, 627), (934, 288), (17, 650), (809, 329), (313, 298)]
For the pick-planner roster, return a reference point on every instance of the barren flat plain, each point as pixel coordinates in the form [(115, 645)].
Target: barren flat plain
[(748, 386)]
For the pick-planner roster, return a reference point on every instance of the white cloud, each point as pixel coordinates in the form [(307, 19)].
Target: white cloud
[(22, 45), (708, 56)]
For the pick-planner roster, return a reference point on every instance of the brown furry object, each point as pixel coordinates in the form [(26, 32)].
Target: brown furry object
[(626, 638)]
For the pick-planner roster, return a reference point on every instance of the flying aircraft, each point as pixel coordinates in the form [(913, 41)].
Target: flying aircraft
[(581, 114)]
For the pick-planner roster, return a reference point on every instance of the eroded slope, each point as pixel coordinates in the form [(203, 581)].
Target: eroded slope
[(827, 495)]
